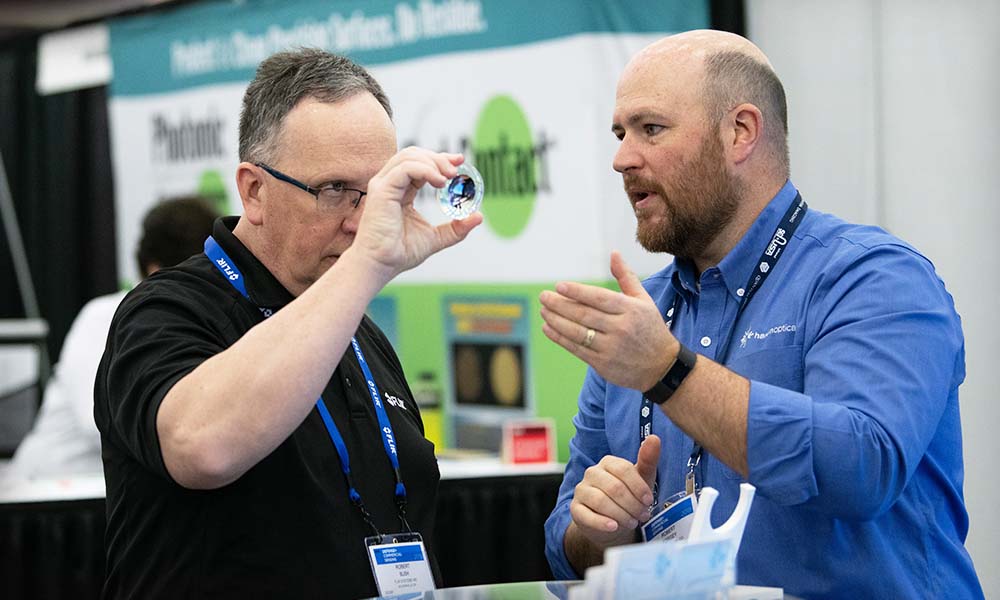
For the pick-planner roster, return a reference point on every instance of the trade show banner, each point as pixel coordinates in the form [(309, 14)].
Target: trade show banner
[(524, 88)]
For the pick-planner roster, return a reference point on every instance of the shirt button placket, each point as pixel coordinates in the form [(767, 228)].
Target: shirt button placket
[(714, 297)]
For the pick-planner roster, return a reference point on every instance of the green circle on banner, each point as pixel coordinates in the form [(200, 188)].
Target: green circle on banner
[(211, 187), (505, 155)]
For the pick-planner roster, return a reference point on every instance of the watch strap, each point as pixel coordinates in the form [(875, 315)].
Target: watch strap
[(663, 389)]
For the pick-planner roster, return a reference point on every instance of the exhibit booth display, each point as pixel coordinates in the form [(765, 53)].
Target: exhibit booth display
[(525, 89)]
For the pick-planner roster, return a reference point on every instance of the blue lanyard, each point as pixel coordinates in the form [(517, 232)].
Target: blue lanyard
[(763, 267), (232, 274)]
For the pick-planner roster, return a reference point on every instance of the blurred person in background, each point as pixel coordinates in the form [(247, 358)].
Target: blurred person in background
[(64, 440)]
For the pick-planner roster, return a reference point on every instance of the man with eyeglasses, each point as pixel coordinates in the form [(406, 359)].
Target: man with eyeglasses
[(247, 447)]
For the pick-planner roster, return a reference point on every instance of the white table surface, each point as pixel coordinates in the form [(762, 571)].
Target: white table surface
[(89, 486)]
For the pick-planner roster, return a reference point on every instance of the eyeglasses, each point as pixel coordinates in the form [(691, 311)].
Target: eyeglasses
[(331, 196)]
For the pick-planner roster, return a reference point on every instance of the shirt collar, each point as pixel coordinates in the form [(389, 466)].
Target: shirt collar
[(742, 259), (264, 289), (684, 280)]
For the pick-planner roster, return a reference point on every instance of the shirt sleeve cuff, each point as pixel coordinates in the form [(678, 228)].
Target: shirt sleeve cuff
[(555, 531)]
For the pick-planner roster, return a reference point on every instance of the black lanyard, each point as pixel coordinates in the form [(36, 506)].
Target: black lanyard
[(762, 269)]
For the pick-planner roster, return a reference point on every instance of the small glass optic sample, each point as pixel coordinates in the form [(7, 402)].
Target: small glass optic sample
[(463, 195)]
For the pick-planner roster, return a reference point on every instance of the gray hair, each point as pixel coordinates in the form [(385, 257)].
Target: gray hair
[(286, 78), (732, 78)]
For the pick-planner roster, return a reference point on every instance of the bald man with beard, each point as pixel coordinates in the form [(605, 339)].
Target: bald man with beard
[(816, 359)]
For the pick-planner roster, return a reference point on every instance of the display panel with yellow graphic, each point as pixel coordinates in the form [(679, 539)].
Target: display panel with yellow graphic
[(488, 345)]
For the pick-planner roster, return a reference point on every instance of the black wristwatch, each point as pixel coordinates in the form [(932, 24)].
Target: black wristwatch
[(665, 388)]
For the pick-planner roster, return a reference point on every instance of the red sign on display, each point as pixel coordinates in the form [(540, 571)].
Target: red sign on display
[(529, 442)]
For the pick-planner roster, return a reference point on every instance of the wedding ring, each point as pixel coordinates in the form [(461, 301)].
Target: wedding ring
[(587, 341)]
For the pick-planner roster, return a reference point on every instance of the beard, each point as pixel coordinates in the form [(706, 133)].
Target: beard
[(702, 203)]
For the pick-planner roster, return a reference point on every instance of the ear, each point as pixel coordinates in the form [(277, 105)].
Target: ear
[(249, 181), (743, 130)]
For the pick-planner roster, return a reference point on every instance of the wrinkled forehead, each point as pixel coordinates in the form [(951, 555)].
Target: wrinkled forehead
[(358, 121)]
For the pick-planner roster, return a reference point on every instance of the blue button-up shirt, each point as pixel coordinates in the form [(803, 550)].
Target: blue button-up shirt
[(854, 354)]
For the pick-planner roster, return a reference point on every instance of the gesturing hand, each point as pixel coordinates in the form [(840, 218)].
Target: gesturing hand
[(391, 230), (614, 496), (630, 345)]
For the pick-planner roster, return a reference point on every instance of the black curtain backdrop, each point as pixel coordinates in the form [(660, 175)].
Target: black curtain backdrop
[(58, 161), (728, 15), (57, 155)]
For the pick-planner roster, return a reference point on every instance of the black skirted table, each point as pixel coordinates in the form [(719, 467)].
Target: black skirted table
[(52, 533)]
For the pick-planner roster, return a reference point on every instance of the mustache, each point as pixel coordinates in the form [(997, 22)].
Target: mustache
[(634, 183)]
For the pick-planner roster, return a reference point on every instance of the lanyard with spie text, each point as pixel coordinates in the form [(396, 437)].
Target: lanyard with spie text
[(768, 259), (230, 271)]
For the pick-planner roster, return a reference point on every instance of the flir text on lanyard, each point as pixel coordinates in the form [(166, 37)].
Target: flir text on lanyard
[(762, 269)]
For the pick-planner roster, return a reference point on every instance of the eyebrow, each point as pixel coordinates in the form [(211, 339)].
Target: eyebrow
[(637, 118), (327, 182)]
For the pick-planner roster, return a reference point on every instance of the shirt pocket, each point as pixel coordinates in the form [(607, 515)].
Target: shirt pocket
[(782, 366)]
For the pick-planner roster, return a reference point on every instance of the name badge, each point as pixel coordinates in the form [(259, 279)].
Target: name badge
[(673, 522), (399, 563)]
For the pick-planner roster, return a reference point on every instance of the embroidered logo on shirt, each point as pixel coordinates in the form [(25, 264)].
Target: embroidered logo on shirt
[(393, 400), (751, 335)]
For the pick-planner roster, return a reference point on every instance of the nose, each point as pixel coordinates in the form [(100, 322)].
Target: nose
[(626, 158), (353, 218)]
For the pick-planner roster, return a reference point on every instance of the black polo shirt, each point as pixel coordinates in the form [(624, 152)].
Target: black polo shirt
[(286, 528)]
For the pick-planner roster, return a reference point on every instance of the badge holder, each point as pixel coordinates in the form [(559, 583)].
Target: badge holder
[(674, 521), (399, 563)]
